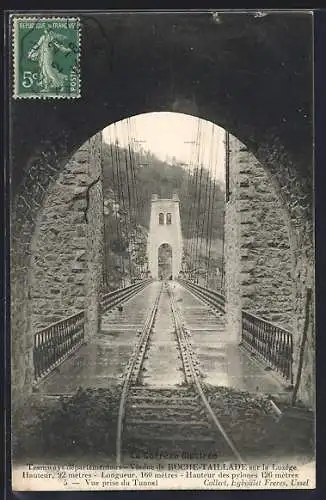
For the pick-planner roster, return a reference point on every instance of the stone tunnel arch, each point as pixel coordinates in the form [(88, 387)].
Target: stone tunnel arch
[(260, 259), (259, 255), (194, 66)]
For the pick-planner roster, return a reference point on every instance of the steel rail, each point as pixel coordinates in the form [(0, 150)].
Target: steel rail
[(133, 371), (189, 366), (271, 341)]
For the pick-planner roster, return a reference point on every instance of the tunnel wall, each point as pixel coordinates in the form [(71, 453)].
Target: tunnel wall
[(60, 270), (266, 258), (232, 243), (25, 216), (94, 238), (40, 172), (59, 246), (68, 240), (270, 256), (263, 243), (213, 69)]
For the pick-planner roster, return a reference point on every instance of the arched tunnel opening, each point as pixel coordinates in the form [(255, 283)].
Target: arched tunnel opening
[(236, 234), (165, 256), (83, 182)]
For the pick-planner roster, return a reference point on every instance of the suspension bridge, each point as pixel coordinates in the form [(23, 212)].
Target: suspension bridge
[(162, 342), (164, 338), (139, 331)]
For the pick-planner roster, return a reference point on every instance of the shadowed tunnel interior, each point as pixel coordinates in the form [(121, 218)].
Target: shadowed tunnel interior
[(165, 256), (250, 75)]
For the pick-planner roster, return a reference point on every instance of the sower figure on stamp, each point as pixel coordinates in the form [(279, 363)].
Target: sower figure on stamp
[(43, 52)]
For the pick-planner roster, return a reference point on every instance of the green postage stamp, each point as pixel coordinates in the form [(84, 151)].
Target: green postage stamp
[(46, 57)]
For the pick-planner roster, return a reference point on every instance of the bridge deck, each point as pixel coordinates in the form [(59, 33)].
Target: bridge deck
[(102, 361)]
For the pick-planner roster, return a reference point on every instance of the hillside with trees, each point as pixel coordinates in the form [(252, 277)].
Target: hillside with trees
[(130, 178)]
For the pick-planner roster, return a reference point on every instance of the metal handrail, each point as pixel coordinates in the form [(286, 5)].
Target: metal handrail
[(59, 321), (273, 342), (123, 289), (110, 299), (55, 342), (214, 298)]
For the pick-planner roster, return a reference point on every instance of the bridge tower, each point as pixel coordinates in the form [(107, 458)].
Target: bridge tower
[(165, 227)]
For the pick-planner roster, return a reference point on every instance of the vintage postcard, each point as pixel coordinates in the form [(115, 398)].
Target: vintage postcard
[(162, 250)]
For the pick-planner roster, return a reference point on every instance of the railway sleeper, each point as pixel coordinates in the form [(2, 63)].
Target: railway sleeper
[(185, 429), (163, 394), (169, 422), (177, 446), (176, 411), (184, 408), (165, 434), (198, 438)]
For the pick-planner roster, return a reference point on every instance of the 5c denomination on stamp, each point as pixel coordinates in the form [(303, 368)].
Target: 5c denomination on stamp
[(46, 57)]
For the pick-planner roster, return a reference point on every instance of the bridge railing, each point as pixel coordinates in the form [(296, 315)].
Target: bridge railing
[(54, 343), (272, 342), (212, 297), (113, 298)]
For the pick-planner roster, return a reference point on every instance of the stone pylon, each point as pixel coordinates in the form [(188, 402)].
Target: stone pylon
[(165, 227)]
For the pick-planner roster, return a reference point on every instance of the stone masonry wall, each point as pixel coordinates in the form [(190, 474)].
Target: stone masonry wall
[(68, 240), (257, 245), (232, 259), (266, 258), (270, 259), (94, 237)]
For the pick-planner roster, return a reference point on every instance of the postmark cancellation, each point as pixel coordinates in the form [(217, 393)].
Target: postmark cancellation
[(46, 57)]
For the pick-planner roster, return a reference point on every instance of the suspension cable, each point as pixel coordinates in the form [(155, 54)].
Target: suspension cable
[(212, 206), (203, 212), (194, 203), (130, 221), (124, 218), (105, 259), (190, 181), (196, 256), (134, 157), (208, 199), (116, 200)]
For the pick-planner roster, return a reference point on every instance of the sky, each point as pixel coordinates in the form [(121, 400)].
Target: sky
[(189, 139)]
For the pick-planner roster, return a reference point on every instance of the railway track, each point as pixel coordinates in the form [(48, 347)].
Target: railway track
[(169, 422)]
